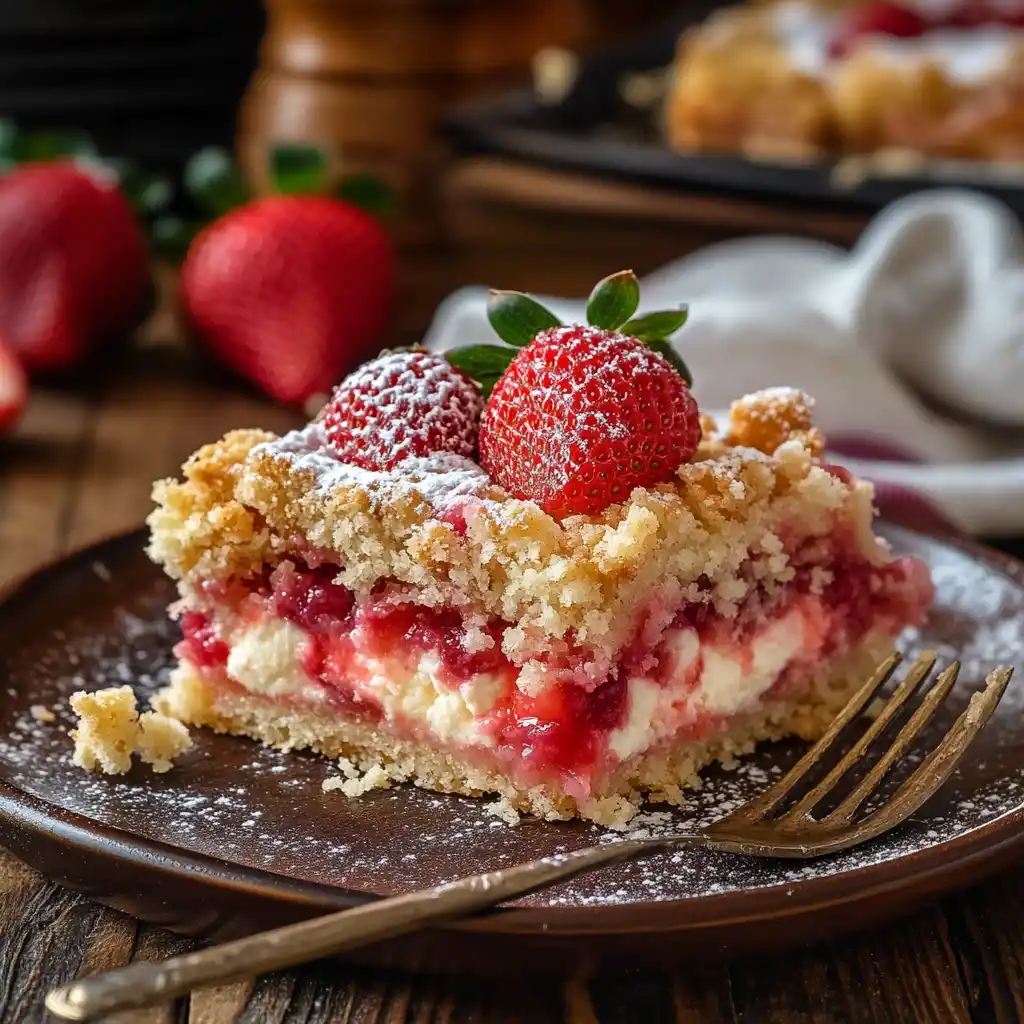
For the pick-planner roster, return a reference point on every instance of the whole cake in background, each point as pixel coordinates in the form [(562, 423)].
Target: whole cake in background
[(531, 570), (798, 78)]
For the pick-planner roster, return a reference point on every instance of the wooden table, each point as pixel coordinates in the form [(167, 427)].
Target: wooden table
[(80, 467)]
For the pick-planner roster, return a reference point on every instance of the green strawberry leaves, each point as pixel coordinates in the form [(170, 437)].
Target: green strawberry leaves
[(298, 170), (611, 306), (517, 319), (484, 363), (171, 236), (149, 195), (19, 147), (369, 194), (214, 182), (664, 348), (613, 300), (656, 326), (216, 185)]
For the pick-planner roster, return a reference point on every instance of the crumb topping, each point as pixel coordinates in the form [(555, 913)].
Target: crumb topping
[(448, 535), (767, 419), (110, 730)]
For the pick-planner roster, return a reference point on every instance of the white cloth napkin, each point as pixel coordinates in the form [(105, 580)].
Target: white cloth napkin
[(912, 344)]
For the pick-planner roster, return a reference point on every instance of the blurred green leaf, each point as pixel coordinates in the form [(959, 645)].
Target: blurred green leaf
[(214, 181), (152, 195), (369, 194), (171, 236), (148, 194), (298, 170), (9, 136), (54, 145)]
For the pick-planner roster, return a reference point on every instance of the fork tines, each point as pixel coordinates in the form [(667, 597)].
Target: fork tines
[(775, 805)]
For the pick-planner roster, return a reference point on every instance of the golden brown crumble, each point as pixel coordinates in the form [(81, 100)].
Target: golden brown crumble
[(767, 419), (244, 502), (202, 527), (110, 730)]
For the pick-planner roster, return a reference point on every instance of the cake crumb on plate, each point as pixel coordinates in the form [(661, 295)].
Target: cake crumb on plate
[(161, 739), (352, 784), (42, 714), (110, 730), (504, 811)]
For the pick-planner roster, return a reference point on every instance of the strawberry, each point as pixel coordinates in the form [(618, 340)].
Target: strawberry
[(877, 19), (290, 290), (403, 405), (74, 266), (583, 414), (13, 389)]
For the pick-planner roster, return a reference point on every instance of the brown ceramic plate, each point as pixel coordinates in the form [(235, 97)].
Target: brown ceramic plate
[(237, 838)]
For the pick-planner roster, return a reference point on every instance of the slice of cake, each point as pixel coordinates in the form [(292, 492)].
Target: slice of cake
[(616, 594)]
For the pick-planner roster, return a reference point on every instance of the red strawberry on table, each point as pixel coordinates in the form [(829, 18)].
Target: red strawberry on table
[(403, 405), (13, 389), (583, 414), (74, 265), (290, 291)]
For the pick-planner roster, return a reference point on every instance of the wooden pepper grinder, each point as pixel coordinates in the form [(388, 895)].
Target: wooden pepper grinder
[(367, 80)]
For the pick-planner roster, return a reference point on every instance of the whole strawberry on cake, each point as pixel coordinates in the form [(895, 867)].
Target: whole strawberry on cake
[(531, 570)]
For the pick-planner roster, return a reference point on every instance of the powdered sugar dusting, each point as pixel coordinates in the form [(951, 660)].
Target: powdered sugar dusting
[(235, 801), (400, 405), (435, 477)]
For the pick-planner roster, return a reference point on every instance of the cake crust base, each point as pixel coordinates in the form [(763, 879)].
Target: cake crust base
[(661, 775)]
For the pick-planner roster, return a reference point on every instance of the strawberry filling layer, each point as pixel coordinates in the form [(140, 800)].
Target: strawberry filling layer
[(297, 637)]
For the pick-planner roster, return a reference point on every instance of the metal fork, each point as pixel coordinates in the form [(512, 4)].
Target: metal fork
[(778, 823)]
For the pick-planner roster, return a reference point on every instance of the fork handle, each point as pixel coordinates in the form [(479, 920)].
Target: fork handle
[(142, 984)]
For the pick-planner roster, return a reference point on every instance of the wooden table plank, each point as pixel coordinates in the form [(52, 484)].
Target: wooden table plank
[(985, 928), (150, 417), (38, 467)]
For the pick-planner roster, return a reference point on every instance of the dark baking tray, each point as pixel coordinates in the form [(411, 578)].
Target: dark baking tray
[(594, 131)]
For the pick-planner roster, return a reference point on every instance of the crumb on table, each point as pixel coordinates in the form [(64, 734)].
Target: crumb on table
[(110, 730), (41, 713)]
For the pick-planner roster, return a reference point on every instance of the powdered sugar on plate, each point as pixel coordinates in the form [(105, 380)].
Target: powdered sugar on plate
[(236, 802)]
